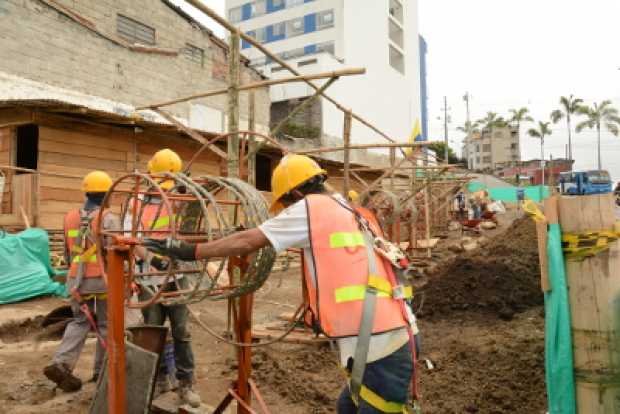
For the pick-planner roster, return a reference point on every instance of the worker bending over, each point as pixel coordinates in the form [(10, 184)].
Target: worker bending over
[(85, 283), (353, 294), (155, 217)]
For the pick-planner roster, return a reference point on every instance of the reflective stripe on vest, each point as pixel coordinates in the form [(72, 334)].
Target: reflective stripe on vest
[(91, 259), (343, 239), (358, 292), (160, 223), (73, 233)]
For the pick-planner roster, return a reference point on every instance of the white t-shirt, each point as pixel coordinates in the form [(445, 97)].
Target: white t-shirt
[(290, 229)]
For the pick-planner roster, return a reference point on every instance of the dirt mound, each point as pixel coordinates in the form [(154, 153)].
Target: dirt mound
[(493, 367), (306, 375), (501, 278)]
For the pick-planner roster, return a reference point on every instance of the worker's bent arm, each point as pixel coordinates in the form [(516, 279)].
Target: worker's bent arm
[(238, 244)]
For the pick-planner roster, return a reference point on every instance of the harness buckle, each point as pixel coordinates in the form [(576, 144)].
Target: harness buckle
[(398, 292)]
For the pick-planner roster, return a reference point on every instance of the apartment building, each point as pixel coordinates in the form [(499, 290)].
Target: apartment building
[(492, 148)]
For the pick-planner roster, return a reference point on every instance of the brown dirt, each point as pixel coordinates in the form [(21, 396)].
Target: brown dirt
[(499, 279), (483, 364)]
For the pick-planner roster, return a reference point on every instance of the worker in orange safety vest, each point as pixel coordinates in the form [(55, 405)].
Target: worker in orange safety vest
[(354, 294), (84, 282)]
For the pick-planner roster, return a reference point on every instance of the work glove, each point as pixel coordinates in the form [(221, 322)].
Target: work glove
[(159, 263), (174, 249)]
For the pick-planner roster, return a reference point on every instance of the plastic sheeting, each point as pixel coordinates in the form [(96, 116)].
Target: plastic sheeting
[(25, 269), (509, 194), (558, 341)]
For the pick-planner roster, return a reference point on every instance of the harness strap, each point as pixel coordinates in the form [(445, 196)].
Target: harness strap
[(368, 317)]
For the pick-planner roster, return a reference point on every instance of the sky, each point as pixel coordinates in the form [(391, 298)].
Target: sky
[(508, 54)]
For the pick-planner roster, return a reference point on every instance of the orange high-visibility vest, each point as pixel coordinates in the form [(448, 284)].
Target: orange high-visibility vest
[(155, 217), (336, 297), (72, 240)]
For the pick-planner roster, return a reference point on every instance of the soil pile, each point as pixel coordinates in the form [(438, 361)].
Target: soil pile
[(501, 278), (307, 376), (497, 367)]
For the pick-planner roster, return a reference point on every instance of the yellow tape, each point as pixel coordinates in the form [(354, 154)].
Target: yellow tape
[(587, 244)]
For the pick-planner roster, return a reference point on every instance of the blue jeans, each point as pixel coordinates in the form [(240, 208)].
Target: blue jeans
[(389, 377)]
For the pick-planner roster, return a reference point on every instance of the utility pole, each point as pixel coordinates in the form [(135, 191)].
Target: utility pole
[(466, 98), (445, 128)]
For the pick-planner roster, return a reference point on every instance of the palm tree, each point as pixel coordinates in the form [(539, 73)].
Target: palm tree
[(490, 121), (517, 116), (469, 127), (540, 133), (598, 114), (568, 107)]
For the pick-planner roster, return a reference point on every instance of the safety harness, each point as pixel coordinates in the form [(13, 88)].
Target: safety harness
[(83, 236), (377, 287)]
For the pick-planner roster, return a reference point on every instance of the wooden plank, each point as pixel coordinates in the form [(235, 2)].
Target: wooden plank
[(88, 137), (91, 163), (77, 149), (15, 117), (594, 297), (61, 194)]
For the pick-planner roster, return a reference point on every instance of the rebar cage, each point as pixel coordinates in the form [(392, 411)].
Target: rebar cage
[(192, 209)]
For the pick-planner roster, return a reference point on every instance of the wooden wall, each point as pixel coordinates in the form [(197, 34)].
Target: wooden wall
[(5, 155), (72, 153)]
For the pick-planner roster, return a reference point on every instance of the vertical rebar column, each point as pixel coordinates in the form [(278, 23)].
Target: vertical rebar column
[(233, 105)]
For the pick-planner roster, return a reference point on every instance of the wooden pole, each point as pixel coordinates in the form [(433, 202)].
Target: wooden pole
[(258, 85), (346, 137), (594, 296), (252, 138), (364, 146), (233, 105), (427, 218)]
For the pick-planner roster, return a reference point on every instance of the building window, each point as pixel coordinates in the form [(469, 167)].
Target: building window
[(258, 8), (328, 47), (279, 29), (134, 31), (27, 151), (194, 53), (277, 4), (295, 27), (396, 10), (513, 145), (292, 54), (477, 160), (325, 20), (293, 3), (486, 148), (306, 62), (397, 59), (477, 147), (486, 159), (234, 15), (497, 134)]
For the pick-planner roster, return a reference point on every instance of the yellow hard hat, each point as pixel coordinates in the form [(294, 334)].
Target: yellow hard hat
[(164, 161), (96, 182), (353, 196), (292, 171)]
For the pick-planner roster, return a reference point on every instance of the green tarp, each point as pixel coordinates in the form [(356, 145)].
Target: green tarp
[(509, 194), (558, 340), (25, 269)]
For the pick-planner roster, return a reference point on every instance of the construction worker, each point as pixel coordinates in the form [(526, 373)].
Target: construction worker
[(155, 217), (352, 292), (85, 283)]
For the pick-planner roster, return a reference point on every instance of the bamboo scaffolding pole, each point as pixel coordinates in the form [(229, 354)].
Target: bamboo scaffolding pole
[(427, 217), (227, 25), (371, 169), (383, 176), (193, 134), (233, 105), (346, 137), (360, 179), (364, 146), (252, 139), (257, 85)]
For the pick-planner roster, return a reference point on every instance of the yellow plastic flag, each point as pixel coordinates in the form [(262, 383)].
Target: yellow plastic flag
[(416, 135)]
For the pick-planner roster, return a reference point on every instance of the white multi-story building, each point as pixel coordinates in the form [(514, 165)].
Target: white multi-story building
[(324, 35)]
